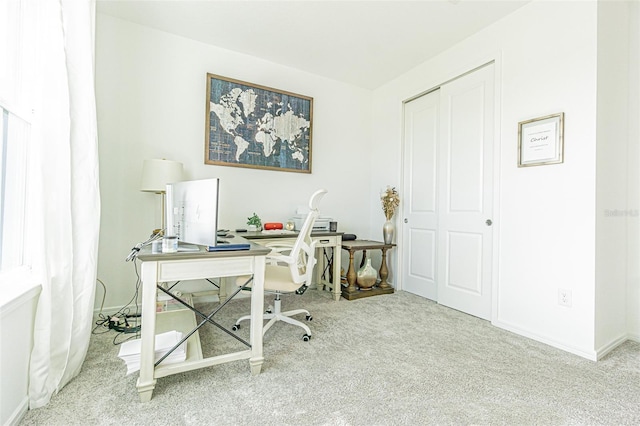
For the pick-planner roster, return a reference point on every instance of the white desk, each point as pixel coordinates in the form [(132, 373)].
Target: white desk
[(158, 268), (324, 239)]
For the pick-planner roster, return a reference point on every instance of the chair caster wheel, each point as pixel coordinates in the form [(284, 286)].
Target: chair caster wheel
[(309, 317), (236, 327), (306, 338), (268, 311)]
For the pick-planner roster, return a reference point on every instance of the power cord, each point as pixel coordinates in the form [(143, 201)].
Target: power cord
[(101, 318), (120, 321), (156, 235)]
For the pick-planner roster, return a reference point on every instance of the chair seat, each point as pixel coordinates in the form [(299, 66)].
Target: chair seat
[(300, 260), (276, 279)]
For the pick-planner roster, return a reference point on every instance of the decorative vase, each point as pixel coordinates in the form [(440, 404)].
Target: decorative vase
[(366, 276), (388, 229)]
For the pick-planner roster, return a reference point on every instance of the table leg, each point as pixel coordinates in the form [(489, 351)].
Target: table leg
[(222, 291), (384, 272), (337, 285), (147, 382), (351, 275), (319, 269), (257, 306)]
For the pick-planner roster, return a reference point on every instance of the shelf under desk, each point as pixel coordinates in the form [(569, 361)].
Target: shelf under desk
[(158, 268), (182, 320)]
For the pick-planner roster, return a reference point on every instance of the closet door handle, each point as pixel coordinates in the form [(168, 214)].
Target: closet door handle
[(489, 222)]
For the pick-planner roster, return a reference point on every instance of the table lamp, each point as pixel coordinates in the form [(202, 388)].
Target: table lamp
[(156, 174)]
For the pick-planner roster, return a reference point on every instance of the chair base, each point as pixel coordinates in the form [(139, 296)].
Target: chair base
[(278, 315)]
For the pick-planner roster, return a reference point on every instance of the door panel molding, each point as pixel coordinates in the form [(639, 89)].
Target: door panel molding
[(448, 176)]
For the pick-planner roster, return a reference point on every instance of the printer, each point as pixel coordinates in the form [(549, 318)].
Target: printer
[(321, 223)]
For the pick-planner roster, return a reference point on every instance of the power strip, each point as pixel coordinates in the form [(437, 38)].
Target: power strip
[(116, 324)]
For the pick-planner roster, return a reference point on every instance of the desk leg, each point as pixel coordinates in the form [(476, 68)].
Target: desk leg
[(319, 269), (146, 381), (337, 284), (223, 294), (384, 272), (257, 306)]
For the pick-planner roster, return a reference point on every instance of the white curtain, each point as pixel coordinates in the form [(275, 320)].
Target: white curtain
[(65, 202)]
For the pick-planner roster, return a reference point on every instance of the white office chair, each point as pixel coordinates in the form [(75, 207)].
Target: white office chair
[(289, 269)]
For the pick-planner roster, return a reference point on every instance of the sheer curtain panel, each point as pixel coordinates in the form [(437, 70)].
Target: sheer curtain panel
[(64, 177)]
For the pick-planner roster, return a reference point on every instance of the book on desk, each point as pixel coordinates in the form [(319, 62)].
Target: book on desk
[(224, 245)]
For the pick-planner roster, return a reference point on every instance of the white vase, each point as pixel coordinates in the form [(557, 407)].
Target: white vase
[(388, 230), (366, 276)]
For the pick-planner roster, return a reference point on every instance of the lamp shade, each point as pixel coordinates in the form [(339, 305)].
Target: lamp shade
[(156, 174)]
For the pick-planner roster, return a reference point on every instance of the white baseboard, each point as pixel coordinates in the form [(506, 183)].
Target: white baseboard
[(611, 346), (205, 297), (16, 417), (588, 354)]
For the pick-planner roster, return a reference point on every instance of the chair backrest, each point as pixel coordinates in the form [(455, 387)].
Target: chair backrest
[(304, 248)]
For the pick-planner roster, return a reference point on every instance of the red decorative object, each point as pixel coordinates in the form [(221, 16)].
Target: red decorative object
[(272, 225)]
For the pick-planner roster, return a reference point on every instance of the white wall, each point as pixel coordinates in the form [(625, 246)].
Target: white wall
[(150, 89), (633, 189), (545, 56), (612, 172), (18, 302)]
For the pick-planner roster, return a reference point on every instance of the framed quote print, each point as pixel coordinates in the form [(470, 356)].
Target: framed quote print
[(541, 141)]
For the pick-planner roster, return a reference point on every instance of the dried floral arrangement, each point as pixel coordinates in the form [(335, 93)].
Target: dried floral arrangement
[(390, 201)]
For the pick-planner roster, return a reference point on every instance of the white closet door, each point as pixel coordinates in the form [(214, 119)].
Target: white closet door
[(465, 189), (448, 194), (419, 242)]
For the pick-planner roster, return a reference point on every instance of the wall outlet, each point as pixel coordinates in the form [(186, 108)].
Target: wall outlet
[(564, 297)]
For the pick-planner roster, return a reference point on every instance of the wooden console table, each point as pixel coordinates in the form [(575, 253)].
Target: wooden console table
[(353, 292)]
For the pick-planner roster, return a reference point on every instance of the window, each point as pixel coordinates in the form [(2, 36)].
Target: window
[(14, 134), (15, 128)]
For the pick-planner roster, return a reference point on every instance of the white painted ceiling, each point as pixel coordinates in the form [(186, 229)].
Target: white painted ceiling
[(365, 43)]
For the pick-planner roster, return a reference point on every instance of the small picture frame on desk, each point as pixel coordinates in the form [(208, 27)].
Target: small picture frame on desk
[(541, 141)]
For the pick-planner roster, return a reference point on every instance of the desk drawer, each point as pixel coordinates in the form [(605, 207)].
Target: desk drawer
[(266, 241), (331, 241), (204, 268)]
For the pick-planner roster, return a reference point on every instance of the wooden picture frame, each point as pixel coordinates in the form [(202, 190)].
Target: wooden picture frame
[(541, 141), (248, 125)]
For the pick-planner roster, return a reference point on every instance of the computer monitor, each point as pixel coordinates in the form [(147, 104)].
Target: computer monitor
[(192, 211)]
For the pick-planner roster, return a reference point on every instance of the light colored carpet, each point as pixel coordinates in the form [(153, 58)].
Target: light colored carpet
[(386, 360)]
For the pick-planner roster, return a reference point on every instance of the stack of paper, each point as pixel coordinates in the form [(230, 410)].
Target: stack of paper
[(130, 351)]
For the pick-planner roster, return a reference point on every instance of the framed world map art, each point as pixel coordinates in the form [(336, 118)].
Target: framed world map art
[(258, 127)]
